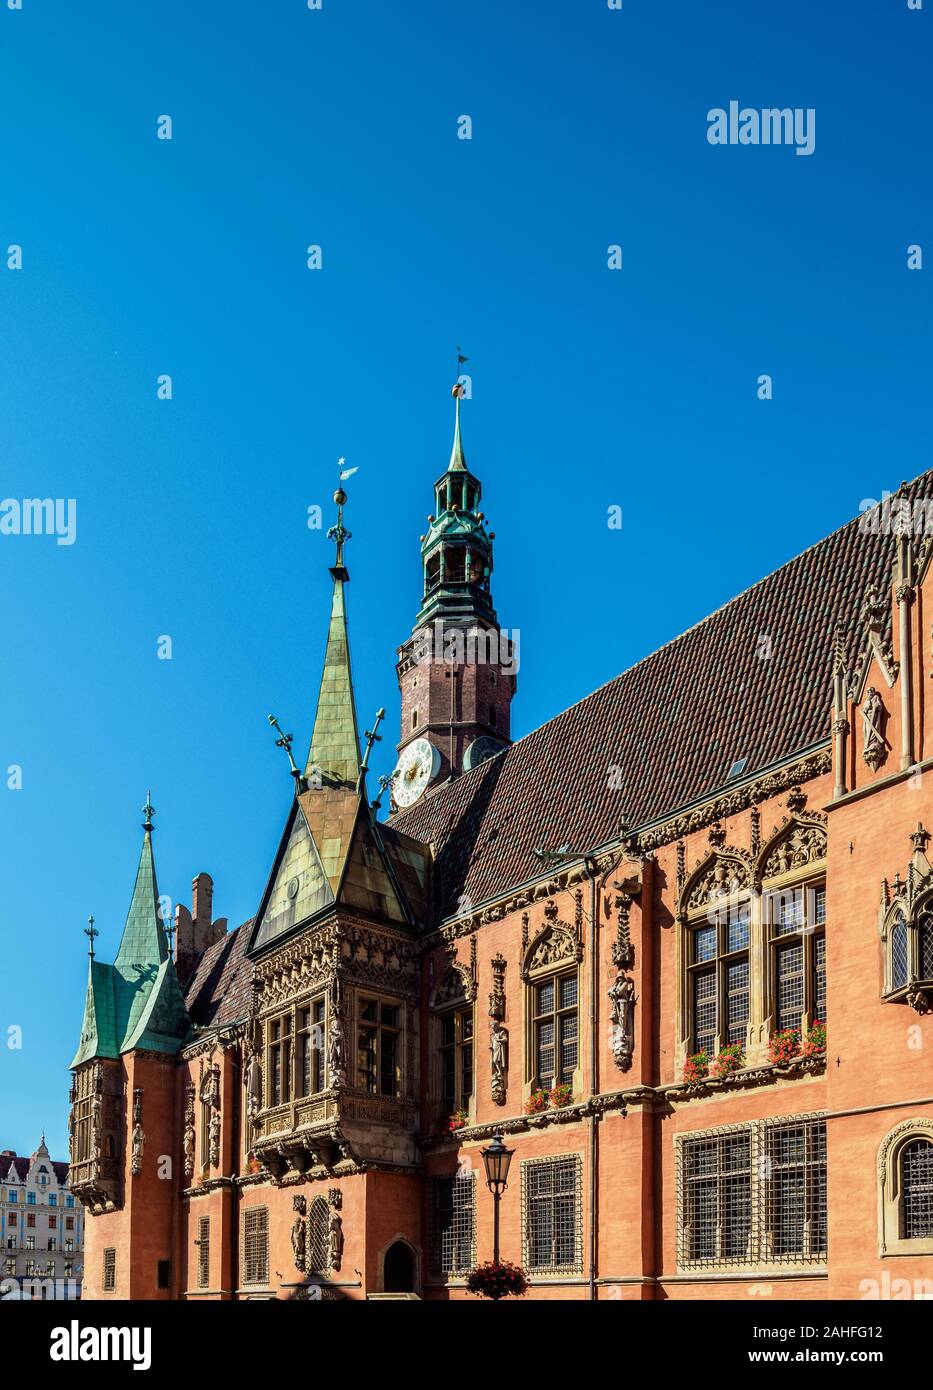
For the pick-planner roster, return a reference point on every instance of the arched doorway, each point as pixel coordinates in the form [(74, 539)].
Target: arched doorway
[(398, 1269)]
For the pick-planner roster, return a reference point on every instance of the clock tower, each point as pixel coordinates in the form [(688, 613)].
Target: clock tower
[(457, 671)]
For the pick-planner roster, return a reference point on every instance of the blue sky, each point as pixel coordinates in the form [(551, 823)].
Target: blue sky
[(591, 388)]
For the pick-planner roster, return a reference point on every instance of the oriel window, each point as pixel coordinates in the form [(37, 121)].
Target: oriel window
[(280, 1059)]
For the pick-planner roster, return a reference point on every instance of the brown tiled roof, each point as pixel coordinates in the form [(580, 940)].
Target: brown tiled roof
[(672, 725), (220, 989)]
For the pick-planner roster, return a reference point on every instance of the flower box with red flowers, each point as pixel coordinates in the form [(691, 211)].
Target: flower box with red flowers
[(537, 1102), (497, 1279), (728, 1059), (696, 1067)]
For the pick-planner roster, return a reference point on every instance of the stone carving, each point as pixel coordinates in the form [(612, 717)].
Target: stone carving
[(138, 1137), (554, 944), (253, 1086), (189, 1137), (213, 1137), (722, 878), (299, 1234), (803, 845), (334, 1240), (874, 744), (335, 1060), (623, 951), (498, 1040), (622, 1016)]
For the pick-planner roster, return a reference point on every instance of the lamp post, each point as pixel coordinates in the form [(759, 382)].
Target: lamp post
[(496, 1160)]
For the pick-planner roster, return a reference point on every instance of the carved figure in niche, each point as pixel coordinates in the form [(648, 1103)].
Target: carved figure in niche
[(497, 1047), (188, 1146), (214, 1136), (873, 741), (299, 1234), (334, 1240), (335, 1051), (253, 1086), (136, 1159), (622, 1015)]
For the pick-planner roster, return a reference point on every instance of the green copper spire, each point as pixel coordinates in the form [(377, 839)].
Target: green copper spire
[(457, 460), (137, 1001), (334, 755)]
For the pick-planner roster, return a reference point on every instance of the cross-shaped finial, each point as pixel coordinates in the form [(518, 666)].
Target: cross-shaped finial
[(148, 812), (285, 741), (385, 781), (90, 931), (372, 736)]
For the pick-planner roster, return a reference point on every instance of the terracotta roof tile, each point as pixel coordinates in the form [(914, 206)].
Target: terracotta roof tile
[(220, 990)]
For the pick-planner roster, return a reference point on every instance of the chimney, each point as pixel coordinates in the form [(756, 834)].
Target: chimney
[(194, 930)]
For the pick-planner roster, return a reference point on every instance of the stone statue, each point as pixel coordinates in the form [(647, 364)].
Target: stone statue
[(497, 1046), (335, 1051), (214, 1136), (873, 750), (334, 1240), (188, 1145), (253, 1086), (622, 994), (299, 1234), (136, 1157)]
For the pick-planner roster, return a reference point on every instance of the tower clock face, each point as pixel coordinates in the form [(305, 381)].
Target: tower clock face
[(480, 749), (418, 765)]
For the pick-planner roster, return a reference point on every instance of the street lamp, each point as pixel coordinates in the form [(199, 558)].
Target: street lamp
[(496, 1160)]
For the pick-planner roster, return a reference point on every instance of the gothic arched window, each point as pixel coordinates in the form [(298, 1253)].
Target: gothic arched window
[(795, 919), (908, 944), (718, 971)]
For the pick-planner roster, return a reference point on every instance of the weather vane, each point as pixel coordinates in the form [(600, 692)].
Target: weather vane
[(385, 781), (148, 812), (285, 741), (90, 931)]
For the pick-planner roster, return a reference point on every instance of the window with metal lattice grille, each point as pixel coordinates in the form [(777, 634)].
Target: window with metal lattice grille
[(917, 1189), (109, 1281), (318, 1232), (451, 1222), (899, 962), (256, 1245), (719, 978), (204, 1251), (796, 926), (552, 1213), (753, 1194), (555, 1030)]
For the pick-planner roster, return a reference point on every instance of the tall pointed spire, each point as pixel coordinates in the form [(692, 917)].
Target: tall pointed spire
[(137, 1001), (457, 460), (334, 755)]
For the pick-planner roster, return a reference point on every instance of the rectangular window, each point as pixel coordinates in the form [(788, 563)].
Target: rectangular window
[(377, 1050), (451, 1222), (753, 1194), (30, 1242), (109, 1278), (555, 1030), (456, 1049), (309, 1049), (52, 1221), (53, 1200), (163, 1274), (30, 1218), (796, 923), (719, 978), (13, 1218), (204, 1251), (256, 1245), (552, 1213), (69, 1223), (280, 1059)]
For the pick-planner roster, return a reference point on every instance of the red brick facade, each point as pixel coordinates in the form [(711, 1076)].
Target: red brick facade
[(805, 1178)]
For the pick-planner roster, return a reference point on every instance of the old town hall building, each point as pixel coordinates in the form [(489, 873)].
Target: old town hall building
[(676, 946)]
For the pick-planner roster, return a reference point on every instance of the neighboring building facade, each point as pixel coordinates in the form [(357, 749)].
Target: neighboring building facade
[(40, 1227), (622, 941)]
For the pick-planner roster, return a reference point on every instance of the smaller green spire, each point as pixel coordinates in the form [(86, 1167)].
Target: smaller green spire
[(334, 754), (457, 459)]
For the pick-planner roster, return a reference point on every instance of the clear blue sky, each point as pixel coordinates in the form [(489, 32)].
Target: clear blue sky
[(590, 387)]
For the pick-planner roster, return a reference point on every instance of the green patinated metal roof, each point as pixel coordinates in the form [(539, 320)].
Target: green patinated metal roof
[(335, 745), (137, 1001), (457, 461)]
